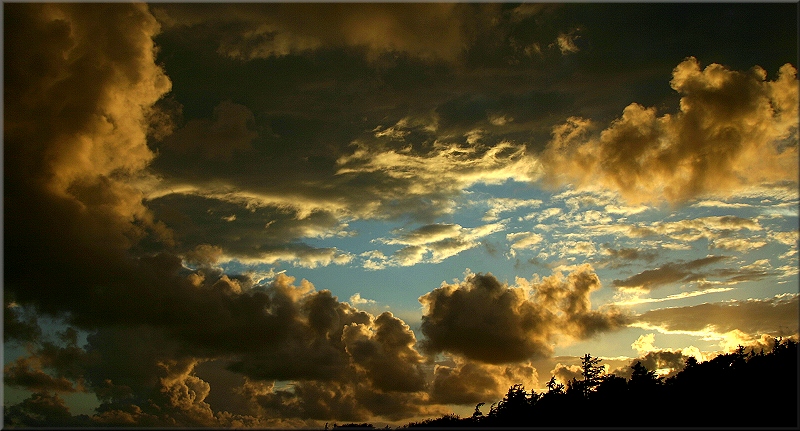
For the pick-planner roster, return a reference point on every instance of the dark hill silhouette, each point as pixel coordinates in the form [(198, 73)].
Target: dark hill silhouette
[(739, 389)]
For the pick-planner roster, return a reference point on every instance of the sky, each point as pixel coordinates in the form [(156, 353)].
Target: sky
[(286, 215)]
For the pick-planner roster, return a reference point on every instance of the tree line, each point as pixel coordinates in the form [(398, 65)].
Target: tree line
[(738, 389), (742, 388)]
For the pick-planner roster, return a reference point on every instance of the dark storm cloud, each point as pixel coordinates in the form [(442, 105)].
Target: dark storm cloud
[(75, 213), (488, 321), (307, 119), (485, 320), (26, 373)]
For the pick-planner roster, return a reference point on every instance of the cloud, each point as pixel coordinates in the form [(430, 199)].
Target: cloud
[(668, 273), (280, 331), (737, 244), (19, 326), (41, 409), (298, 200), (436, 31), (625, 256), (754, 317), (523, 240), (566, 43), (470, 382), (502, 326), (498, 206), (426, 234), (69, 179), (565, 373), (27, 373), (448, 167), (710, 228), (644, 343), (665, 362), (733, 130), (626, 210), (430, 244), (125, 205), (228, 131), (487, 321), (356, 299), (636, 299), (386, 353)]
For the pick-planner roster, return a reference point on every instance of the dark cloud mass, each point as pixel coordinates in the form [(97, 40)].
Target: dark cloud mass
[(489, 321)]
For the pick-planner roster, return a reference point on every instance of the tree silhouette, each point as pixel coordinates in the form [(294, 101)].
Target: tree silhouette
[(742, 388), (642, 379), (592, 371), (553, 387)]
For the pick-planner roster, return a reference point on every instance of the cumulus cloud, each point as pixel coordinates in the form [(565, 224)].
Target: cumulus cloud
[(356, 299), (145, 373), (69, 176), (734, 129), (387, 353), (470, 382), (485, 320)]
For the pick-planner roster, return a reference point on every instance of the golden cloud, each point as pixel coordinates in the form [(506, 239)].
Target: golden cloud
[(733, 130)]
